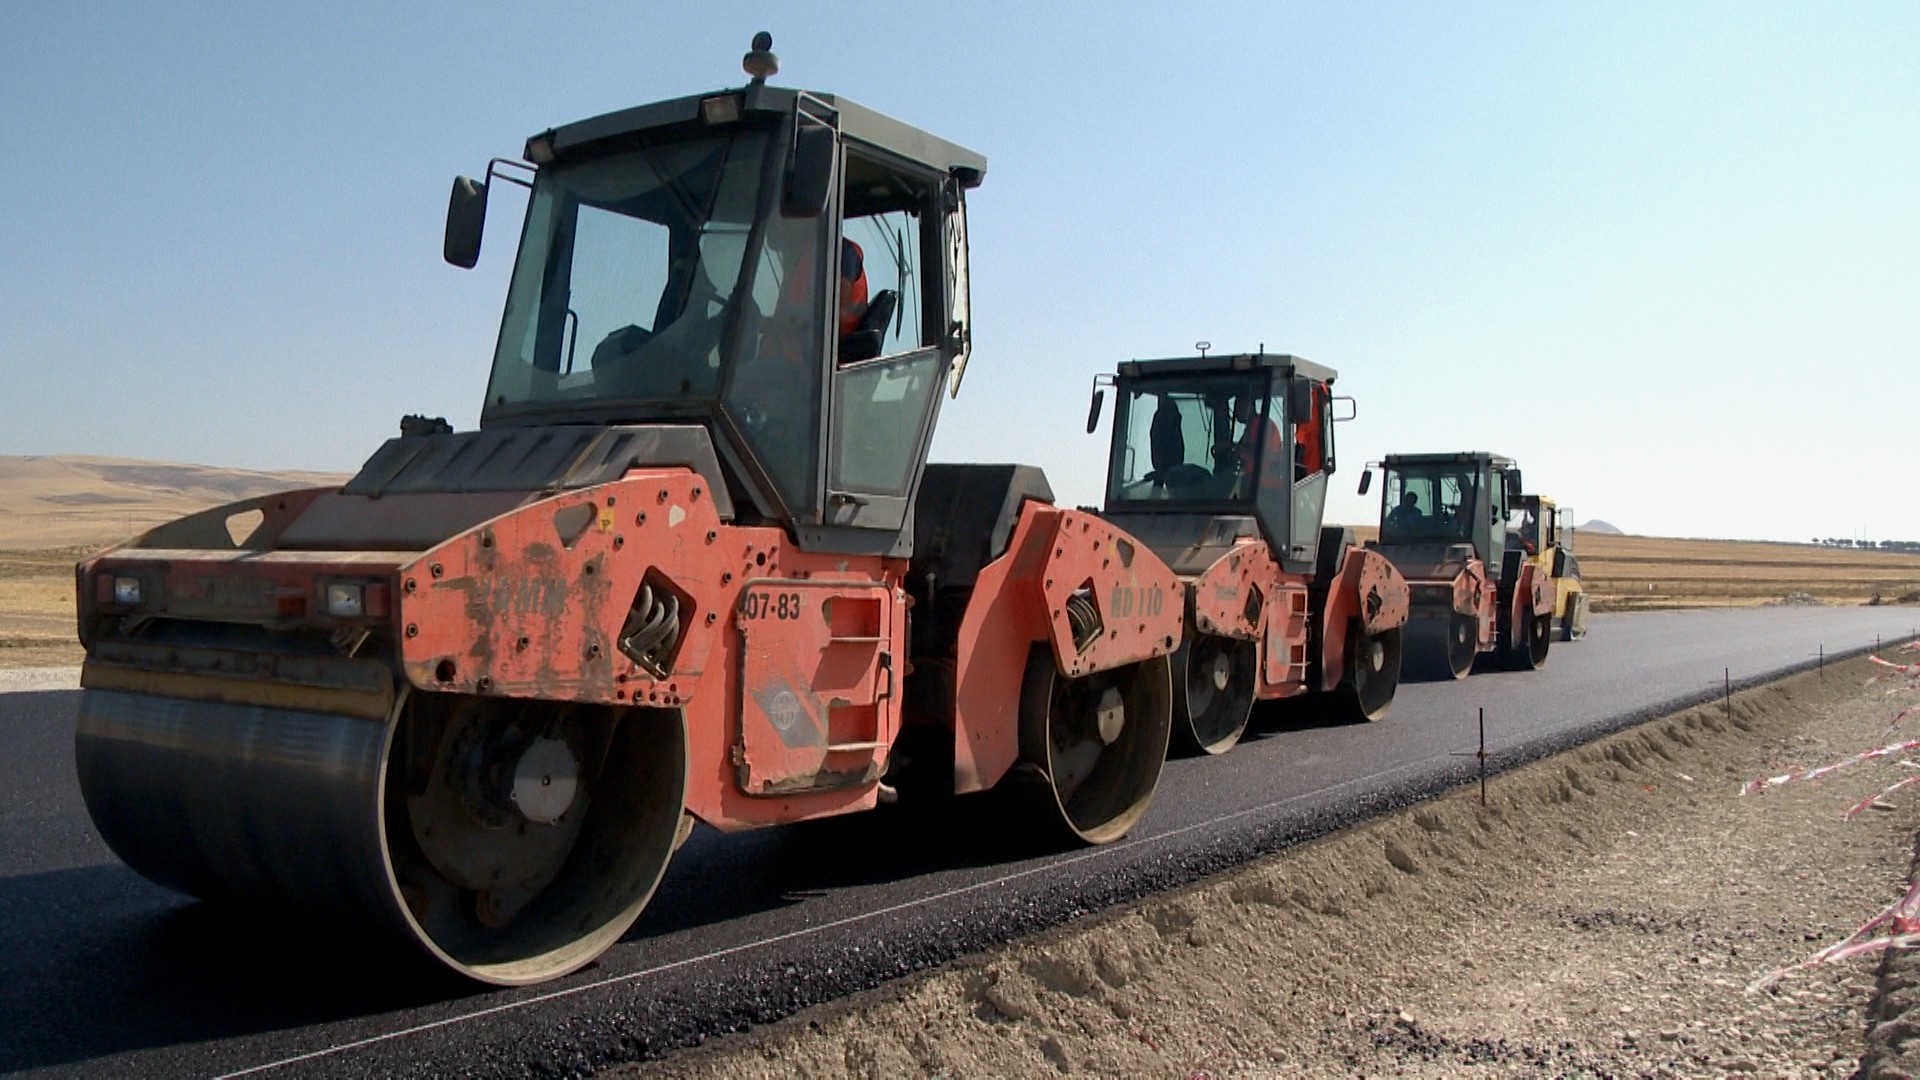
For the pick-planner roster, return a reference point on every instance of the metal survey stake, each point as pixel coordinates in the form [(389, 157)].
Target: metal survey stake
[(1480, 754)]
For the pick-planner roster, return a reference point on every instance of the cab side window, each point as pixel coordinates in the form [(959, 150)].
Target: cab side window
[(887, 374), (882, 274)]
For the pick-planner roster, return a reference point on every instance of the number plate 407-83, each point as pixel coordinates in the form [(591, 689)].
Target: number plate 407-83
[(770, 605)]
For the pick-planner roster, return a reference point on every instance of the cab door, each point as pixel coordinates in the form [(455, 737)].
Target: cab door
[(1312, 465), (1292, 501), (902, 249), (1495, 520)]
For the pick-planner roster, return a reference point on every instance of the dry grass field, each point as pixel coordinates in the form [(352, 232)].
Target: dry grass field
[(1627, 573), (1643, 573), (36, 608)]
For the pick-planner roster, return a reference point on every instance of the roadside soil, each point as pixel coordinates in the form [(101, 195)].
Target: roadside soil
[(1604, 914)]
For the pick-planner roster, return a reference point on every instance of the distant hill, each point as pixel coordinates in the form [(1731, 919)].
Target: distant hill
[(72, 501), (1598, 526)]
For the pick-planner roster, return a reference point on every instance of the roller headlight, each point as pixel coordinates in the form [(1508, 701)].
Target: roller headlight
[(346, 601)]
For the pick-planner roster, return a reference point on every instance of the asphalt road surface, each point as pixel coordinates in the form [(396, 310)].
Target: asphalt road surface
[(102, 972)]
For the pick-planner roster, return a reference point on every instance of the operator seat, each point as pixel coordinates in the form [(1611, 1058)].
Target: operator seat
[(1166, 441), (868, 336)]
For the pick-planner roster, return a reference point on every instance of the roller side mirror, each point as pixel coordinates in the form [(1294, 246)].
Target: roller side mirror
[(466, 220)]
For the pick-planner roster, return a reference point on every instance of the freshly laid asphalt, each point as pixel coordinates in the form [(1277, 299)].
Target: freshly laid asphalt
[(102, 972)]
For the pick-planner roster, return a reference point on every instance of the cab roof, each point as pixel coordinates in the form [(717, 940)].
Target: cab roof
[(1199, 365), (1460, 457), (857, 122)]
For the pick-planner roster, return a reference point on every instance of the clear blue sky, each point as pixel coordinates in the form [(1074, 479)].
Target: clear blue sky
[(1667, 255)]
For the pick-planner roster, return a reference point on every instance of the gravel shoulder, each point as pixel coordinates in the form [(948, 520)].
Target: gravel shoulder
[(1602, 915)]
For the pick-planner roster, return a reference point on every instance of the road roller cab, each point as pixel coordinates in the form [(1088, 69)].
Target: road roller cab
[(476, 696), (779, 273), (1220, 464), (1443, 523)]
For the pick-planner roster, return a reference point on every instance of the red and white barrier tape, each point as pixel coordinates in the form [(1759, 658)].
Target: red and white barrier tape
[(1902, 920), (1904, 669), (1754, 787), (1911, 671), (1854, 810), (1897, 717)]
